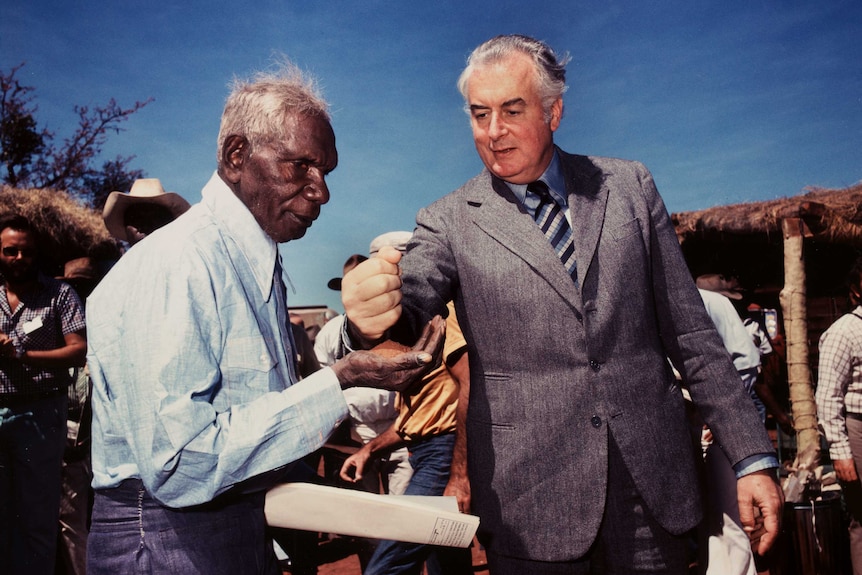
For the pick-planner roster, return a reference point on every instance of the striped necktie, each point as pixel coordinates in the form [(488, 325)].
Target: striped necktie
[(551, 219)]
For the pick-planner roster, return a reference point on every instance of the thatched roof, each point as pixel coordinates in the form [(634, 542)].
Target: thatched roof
[(67, 229), (746, 239), (831, 215)]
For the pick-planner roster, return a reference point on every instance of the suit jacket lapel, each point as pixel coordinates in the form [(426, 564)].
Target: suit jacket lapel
[(499, 214), (587, 196)]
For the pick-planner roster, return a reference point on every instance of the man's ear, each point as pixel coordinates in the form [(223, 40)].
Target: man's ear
[(233, 155), (556, 114)]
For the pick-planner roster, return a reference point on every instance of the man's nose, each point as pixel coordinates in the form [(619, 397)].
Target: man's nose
[(318, 191), (497, 127)]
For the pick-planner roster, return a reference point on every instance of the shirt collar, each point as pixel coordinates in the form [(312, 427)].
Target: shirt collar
[(553, 176), (238, 222)]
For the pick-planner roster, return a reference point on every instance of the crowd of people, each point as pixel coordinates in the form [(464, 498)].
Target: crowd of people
[(556, 366)]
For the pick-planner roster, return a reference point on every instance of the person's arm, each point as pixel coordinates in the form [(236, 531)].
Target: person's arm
[(70, 322), (459, 481), (696, 350), (764, 392), (835, 371), (354, 466), (203, 405), (72, 354)]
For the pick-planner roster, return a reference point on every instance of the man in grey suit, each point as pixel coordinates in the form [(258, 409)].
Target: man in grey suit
[(578, 447)]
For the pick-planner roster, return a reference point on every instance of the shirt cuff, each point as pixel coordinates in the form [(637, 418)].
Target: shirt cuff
[(754, 463), (840, 451), (347, 345)]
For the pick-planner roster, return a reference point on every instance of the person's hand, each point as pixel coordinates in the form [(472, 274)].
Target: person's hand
[(459, 487), (786, 425), (760, 501), (371, 294), (7, 348), (845, 469), (398, 373), (353, 466)]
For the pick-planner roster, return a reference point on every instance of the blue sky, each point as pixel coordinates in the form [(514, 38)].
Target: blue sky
[(725, 102)]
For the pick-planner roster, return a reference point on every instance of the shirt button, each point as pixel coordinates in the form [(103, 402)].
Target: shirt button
[(594, 365), (596, 421)]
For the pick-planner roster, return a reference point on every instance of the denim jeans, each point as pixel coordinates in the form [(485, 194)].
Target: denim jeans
[(133, 534), (431, 460), (32, 439)]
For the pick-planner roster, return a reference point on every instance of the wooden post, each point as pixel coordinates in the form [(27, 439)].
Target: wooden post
[(795, 310)]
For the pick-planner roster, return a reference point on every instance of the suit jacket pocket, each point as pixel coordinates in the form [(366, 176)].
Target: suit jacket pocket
[(498, 401), (627, 229)]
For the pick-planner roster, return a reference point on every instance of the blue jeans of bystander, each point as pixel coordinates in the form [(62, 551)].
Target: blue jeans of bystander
[(431, 460), (32, 439)]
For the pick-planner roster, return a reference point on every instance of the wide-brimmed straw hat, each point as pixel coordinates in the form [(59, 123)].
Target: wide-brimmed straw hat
[(144, 191), (82, 274), (397, 240), (726, 286)]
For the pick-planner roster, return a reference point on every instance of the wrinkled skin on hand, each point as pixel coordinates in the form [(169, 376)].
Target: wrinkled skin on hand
[(760, 501), (399, 373)]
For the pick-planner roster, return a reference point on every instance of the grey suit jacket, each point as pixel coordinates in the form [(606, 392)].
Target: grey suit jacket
[(554, 371)]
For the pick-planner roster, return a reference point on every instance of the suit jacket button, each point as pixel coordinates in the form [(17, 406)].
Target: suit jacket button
[(596, 421), (595, 365)]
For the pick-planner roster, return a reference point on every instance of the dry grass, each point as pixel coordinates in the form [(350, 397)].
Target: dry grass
[(834, 215), (67, 229)]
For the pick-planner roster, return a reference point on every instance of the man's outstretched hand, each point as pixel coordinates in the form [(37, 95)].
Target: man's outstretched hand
[(398, 373)]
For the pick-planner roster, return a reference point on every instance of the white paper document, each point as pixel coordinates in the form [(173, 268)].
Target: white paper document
[(415, 519)]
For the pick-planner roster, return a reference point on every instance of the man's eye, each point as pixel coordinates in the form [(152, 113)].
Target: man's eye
[(301, 164)]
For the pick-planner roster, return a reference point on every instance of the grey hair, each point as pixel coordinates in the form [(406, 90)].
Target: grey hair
[(257, 109), (550, 69)]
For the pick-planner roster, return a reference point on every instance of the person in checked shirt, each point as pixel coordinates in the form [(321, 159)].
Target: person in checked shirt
[(41, 337), (839, 405)]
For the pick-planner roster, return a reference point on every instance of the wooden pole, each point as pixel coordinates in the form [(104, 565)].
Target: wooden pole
[(795, 310)]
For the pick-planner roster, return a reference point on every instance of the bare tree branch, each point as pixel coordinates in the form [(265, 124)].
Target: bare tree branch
[(31, 160)]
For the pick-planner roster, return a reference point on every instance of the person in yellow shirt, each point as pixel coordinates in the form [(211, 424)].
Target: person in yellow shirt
[(426, 424)]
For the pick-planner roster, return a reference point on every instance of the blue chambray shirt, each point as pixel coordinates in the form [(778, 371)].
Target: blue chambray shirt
[(192, 389)]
